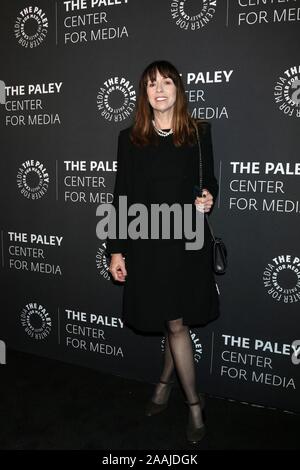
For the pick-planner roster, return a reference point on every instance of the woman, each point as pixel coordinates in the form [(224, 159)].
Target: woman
[(166, 287)]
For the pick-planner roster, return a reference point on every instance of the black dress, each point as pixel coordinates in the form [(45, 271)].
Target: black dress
[(164, 280)]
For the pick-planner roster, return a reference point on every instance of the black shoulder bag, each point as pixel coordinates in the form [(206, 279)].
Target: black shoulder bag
[(219, 253)]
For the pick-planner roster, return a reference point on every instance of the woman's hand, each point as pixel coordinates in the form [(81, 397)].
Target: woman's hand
[(204, 204), (117, 267)]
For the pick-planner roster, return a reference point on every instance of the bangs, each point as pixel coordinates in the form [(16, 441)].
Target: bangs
[(164, 70)]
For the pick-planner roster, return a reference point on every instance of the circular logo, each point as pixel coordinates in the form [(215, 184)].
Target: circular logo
[(191, 15), (102, 264), (287, 91), (116, 99), (197, 346), (33, 179), (36, 321), (31, 27), (281, 278)]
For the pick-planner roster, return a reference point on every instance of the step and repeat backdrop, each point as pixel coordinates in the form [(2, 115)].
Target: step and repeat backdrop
[(68, 85)]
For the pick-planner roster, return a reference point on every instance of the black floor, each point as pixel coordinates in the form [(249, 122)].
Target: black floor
[(47, 404)]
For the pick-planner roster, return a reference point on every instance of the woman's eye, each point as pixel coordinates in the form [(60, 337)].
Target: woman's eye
[(167, 82)]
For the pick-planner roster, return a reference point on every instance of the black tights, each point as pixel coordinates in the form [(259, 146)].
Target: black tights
[(179, 356)]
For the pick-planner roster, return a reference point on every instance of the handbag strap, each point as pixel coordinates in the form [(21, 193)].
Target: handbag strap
[(200, 177)]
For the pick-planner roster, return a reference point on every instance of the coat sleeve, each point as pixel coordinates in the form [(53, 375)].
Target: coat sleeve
[(118, 245), (209, 180)]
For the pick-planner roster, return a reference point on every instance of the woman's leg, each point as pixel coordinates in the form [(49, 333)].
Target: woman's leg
[(168, 369), (166, 375), (182, 351)]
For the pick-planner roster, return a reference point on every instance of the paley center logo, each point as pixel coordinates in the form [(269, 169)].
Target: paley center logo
[(2, 92), (287, 91), (116, 99), (138, 226), (2, 352), (31, 26), (101, 262), (33, 179), (192, 15), (281, 278), (36, 321)]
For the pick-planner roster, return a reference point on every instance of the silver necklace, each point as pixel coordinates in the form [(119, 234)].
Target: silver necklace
[(161, 132)]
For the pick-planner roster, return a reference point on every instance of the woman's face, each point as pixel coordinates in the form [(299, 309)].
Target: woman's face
[(161, 93)]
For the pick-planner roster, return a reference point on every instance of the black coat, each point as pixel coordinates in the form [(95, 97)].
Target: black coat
[(164, 281)]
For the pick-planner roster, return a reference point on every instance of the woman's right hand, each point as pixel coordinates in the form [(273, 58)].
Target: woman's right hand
[(117, 267)]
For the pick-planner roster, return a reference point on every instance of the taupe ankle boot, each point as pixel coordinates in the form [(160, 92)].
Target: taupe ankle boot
[(195, 434), (153, 408)]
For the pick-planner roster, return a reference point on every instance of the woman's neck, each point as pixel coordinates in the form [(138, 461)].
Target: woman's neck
[(163, 120)]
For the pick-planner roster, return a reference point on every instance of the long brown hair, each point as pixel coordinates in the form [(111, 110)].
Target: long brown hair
[(142, 132)]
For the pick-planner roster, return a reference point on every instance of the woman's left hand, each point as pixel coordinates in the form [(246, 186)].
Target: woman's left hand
[(204, 204)]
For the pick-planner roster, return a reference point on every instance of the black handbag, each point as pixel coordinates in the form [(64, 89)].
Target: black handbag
[(219, 251)]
